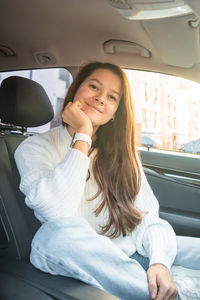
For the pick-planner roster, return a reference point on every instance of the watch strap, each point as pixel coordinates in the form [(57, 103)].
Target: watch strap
[(79, 136)]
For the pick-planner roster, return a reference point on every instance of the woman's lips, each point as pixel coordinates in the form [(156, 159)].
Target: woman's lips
[(94, 107)]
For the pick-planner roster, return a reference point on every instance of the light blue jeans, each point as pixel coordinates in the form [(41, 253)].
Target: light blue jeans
[(70, 247)]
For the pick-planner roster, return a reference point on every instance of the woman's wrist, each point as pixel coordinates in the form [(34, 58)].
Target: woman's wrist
[(86, 130)]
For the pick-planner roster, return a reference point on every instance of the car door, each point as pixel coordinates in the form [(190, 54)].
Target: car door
[(167, 109), (175, 181)]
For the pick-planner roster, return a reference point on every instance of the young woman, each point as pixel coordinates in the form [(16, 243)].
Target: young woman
[(100, 219)]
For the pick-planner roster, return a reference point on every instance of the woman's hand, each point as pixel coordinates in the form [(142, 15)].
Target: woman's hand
[(161, 284), (76, 118)]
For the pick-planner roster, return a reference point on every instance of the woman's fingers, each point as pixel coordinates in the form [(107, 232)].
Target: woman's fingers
[(76, 118), (167, 292), (78, 103), (68, 104), (153, 286), (161, 285)]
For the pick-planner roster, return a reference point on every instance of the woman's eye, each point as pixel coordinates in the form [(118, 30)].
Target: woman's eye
[(112, 97), (94, 87)]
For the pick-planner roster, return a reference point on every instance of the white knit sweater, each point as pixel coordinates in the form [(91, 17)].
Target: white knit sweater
[(53, 179)]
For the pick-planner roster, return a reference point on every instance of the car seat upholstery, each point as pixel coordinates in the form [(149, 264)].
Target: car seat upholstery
[(23, 103)]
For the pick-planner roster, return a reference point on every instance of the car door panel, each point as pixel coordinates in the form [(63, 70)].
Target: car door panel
[(175, 182)]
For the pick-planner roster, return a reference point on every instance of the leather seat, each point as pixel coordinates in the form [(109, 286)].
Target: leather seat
[(23, 103)]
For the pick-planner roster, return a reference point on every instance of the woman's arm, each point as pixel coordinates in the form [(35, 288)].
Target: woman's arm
[(52, 188)]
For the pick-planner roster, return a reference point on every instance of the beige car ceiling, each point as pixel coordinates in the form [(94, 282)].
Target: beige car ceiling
[(51, 33)]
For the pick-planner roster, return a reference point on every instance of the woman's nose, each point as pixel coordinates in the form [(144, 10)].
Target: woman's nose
[(100, 99)]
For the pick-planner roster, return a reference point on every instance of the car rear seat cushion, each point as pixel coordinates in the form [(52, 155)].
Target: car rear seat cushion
[(17, 219), (23, 277)]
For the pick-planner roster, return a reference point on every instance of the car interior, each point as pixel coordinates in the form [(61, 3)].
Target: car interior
[(162, 37)]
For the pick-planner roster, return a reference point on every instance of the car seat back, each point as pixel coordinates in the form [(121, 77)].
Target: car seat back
[(23, 103)]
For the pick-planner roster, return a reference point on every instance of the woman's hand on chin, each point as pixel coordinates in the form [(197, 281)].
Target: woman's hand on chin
[(161, 285), (76, 118)]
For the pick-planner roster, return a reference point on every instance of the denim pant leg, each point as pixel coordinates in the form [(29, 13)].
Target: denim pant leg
[(143, 261), (70, 247), (188, 252)]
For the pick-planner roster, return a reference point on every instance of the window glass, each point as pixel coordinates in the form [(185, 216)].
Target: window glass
[(55, 81), (167, 111)]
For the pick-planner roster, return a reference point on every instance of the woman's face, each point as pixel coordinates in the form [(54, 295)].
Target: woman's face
[(100, 94)]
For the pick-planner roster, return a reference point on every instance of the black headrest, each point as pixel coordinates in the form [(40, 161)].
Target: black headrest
[(24, 102)]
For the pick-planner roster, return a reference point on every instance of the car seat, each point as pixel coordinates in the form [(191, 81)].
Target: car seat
[(24, 103)]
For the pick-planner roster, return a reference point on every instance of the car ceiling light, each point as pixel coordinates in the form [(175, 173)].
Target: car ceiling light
[(148, 9)]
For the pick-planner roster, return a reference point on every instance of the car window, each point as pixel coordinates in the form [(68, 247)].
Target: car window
[(55, 81), (167, 111), (167, 108)]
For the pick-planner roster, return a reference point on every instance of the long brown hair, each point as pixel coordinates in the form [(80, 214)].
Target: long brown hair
[(115, 165)]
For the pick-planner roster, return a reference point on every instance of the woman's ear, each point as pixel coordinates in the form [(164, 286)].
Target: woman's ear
[(114, 116)]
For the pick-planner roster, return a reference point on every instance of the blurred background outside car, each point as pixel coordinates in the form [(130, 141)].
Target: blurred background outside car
[(190, 147), (151, 142)]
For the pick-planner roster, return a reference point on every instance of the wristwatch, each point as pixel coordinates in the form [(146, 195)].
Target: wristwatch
[(78, 136)]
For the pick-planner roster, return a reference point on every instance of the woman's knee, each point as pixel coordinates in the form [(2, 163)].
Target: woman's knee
[(57, 240), (188, 254), (62, 235)]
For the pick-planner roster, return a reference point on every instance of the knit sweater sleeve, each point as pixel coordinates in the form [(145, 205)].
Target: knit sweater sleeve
[(52, 188), (155, 237)]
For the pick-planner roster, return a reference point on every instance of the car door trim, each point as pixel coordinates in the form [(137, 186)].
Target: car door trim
[(190, 179)]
